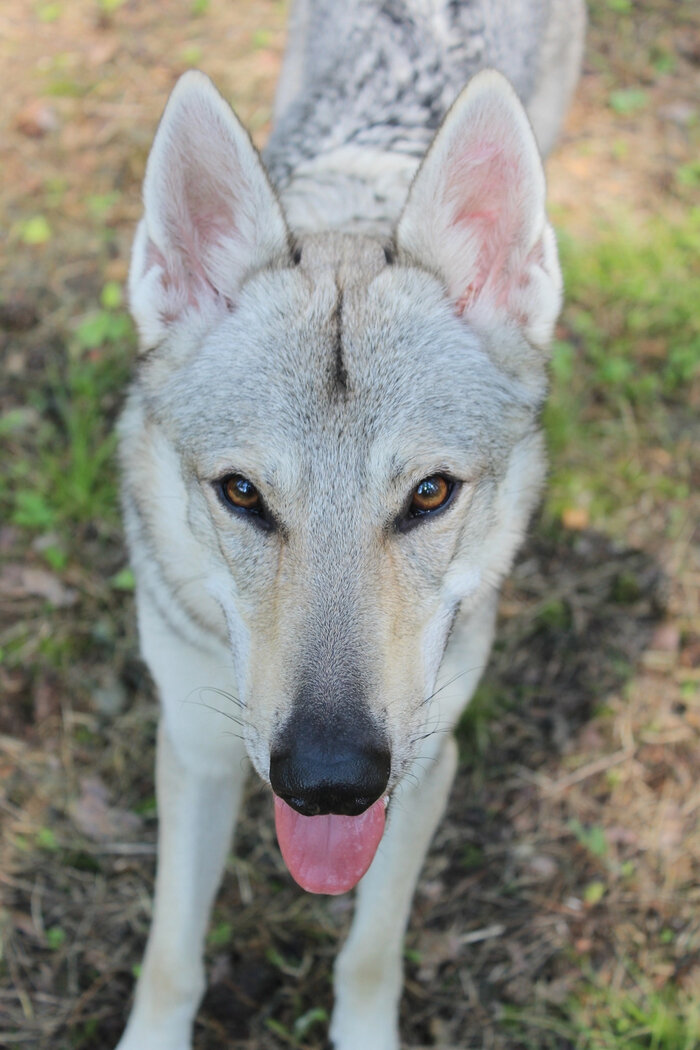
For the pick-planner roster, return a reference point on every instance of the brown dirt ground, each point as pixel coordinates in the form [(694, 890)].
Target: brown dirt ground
[(593, 719)]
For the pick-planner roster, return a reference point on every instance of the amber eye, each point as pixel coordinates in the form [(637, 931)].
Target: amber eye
[(240, 492), (430, 494)]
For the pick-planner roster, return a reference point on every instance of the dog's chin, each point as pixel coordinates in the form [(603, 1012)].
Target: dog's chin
[(329, 853)]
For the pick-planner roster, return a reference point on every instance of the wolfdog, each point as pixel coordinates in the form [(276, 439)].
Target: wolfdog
[(331, 452)]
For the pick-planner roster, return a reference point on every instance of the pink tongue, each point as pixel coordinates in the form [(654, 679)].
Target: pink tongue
[(330, 853)]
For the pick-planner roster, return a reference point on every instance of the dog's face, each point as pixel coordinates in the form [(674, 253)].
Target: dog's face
[(339, 441)]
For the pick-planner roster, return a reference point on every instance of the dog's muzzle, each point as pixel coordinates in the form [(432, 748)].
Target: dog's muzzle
[(315, 775), (330, 776)]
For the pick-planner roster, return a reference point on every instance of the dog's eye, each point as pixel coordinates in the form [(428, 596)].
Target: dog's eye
[(429, 497), (241, 493), (431, 494)]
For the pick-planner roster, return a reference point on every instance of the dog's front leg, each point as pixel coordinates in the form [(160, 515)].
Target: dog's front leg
[(196, 815), (369, 970), (200, 773)]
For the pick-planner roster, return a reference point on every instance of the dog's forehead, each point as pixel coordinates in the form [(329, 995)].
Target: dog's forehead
[(352, 260), (363, 336), (344, 349)]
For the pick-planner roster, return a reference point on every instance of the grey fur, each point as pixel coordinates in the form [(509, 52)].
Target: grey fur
[(381, 76), (336, 344)]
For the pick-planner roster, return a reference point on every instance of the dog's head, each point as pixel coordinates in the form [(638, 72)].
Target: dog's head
[(340, 435)]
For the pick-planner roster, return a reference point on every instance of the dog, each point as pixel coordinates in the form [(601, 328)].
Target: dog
[(331, 451)]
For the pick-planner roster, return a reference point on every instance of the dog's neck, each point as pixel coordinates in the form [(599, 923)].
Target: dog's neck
[(363, 90), (352, 189)]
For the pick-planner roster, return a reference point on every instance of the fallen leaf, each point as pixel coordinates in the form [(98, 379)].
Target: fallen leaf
[(36, 119), (542, 866), (101, 53), (690, 654), (666, 638), (575, 518), (21, 581), (95, 817), (47, 700), (25, 924), (18, 314), (435, 949)]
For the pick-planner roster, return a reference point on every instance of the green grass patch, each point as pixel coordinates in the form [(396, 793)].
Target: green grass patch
[(638, 1019), (49, 12), (123, 580), (55, 937), (35, 230), (591, 838), (627, 101), (191, 54), (61, 471), (599, 1017), (46, 839), (689, 174), (100, 204), (261, 39), (308, 1020), (478, 722), (220, 935), (108, 7), (632, 311), (631, 352)]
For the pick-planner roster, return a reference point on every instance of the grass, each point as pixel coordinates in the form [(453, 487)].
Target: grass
[(637, 281), (632, 313), (599, 1017), (60, 446), (477, 723), (631, 354), (60, 485), (642, 1019)]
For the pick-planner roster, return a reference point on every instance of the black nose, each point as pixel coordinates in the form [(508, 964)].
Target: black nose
[(318, 770)]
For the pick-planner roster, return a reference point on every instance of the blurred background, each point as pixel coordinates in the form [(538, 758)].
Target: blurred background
[(560, 907)]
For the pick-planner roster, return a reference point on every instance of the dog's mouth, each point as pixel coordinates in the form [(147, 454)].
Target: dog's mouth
[(329, 853)]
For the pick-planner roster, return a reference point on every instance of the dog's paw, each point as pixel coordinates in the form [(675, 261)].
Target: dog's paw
[(139, 1038), (363, 1030), (146, 1041)]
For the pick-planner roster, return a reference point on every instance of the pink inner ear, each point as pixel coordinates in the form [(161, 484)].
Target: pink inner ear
[(200, 219), (171, 278), (208, 218), (482, 193), (211, 207), (199, 201)]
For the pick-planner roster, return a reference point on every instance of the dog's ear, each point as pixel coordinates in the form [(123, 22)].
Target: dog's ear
[(210, 214), (475, 213)]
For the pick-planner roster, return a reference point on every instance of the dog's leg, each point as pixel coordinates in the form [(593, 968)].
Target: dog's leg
[(369, 970), (198, 793), (196, 818)]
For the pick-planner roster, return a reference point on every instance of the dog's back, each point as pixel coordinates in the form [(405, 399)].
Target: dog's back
[(365, 85)]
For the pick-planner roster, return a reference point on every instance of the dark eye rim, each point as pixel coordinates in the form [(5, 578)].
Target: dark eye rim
[(258, 515), (410, 518)]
